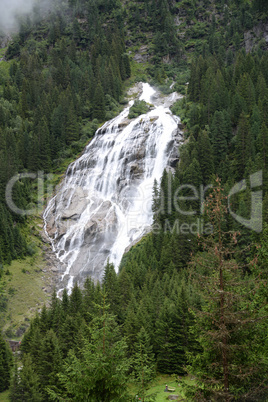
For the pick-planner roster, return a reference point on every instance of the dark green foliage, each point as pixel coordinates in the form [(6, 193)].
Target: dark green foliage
[(261, 5), (99, 103), (143, 362), (138, 108), (173, 335), (228, 103), (99, 371), (75, 335), (25, 385), (5, 364), (49, 361), (155, 17), (205, 156), (75, 300), (225, 322), (110, 285)]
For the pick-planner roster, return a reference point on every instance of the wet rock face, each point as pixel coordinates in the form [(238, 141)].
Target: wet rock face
[(104, 203)]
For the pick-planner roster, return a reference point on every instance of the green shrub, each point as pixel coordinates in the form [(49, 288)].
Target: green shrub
[(90, 128), (139, 107), (31, 249)]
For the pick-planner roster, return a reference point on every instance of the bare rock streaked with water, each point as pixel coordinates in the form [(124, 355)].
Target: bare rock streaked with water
[(104, 203)]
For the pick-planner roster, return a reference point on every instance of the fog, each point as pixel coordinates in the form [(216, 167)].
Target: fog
[(10, 10)]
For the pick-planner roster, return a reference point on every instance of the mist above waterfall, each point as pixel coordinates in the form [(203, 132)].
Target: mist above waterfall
[(104, 203)]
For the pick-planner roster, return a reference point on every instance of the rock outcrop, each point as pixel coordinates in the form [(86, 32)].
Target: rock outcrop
[(253, 37)]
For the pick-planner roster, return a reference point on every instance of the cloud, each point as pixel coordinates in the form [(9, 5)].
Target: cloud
[(10, 10)]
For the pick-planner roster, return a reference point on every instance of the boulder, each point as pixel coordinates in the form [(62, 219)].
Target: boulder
[(124, 124), (77, 204)]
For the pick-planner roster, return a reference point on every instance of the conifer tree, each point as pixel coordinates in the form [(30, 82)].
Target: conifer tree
[(227, 367), (68, 333), (99, 103), (126, 290), (205, 154), (72, 130), (75, 300), (99, 372), (65, 303), (55, 315), (44, 145), (143, 363), (43, 320), (26, 385), (131, 328), (5, 364), (171, 356), (88, 306), (49, 361), (219, 138), (243, 148), (110, 286)]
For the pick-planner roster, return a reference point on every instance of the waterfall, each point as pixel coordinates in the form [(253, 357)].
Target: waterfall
[(104, 202)]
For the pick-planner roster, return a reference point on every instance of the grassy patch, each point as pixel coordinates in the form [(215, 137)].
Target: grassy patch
[(158, 387), (24, 287), (4, 70), (4, 396), (138, 73)]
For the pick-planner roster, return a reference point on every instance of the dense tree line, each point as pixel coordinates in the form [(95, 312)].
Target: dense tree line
[(227, 120), (133, 323), (156, 315), (154, 18), (6, 362)]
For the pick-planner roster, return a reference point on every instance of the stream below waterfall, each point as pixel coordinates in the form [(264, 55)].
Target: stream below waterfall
[(103, 205)]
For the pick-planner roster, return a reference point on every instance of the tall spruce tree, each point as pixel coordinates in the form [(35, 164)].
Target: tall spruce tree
[(26, 384), (143, 363), (98, 373), (5, 364), (229, 366), (99, 103)]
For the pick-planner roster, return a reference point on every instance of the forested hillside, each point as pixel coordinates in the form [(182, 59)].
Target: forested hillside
[(60, 75), (191, 296)]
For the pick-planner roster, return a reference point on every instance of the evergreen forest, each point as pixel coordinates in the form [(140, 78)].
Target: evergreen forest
[(189, 303)]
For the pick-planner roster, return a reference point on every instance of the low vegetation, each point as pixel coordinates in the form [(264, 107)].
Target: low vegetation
[(139, 107)]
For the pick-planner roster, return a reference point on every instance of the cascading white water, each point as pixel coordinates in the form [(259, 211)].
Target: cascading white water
[(104, 203)]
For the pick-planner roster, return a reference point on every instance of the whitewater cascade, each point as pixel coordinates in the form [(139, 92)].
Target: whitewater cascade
[(104, 202)]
